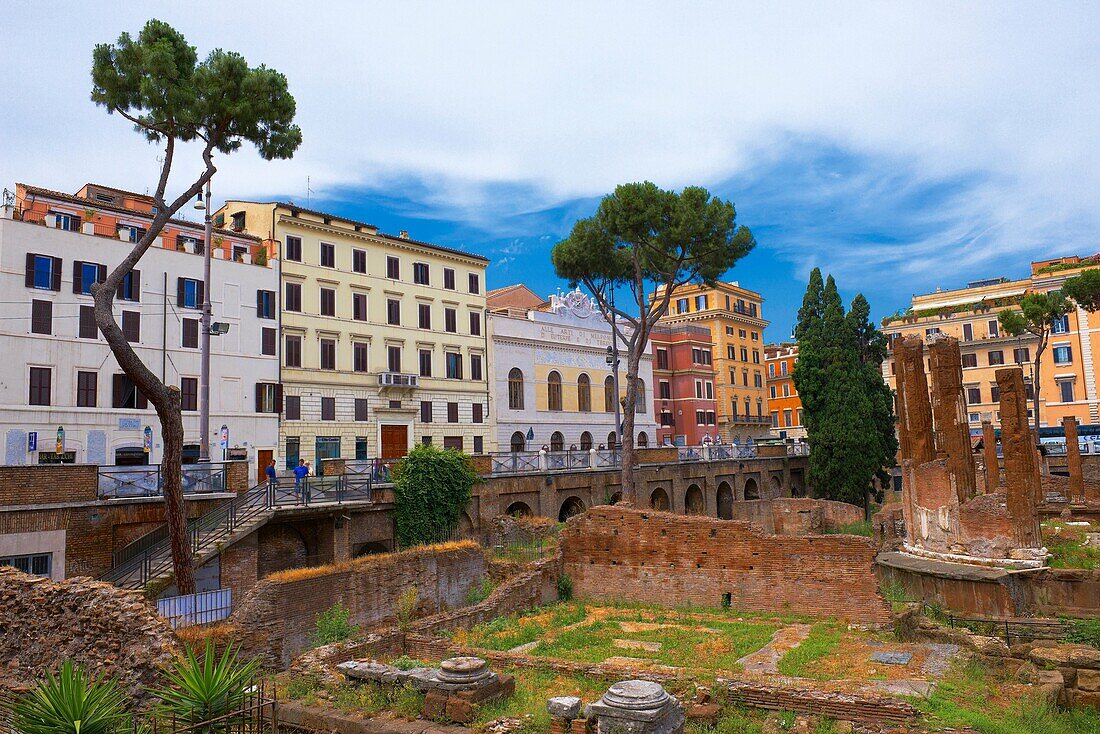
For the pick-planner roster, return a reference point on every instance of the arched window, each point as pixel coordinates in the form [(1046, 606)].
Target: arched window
[(584, 394), (515, 389), (609, 394), (643, 440), (518, 442), (611, 440), (553, 391), (557, 441), (586, 441), (639, 399)]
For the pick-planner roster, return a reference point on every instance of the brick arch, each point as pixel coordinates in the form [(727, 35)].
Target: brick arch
[(518, 509), (725, 500), (752, 489), (694, 504), (279, 547), (571, 506), (659, 500), (777, 485)]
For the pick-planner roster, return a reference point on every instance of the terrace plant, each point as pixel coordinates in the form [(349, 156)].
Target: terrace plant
[(72, 702), (206, 688)]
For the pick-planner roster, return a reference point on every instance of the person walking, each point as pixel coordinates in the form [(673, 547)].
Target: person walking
[(272, 477), (300, 473)]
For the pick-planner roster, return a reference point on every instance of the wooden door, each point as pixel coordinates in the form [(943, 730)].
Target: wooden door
[(263, 458), (395, 441)]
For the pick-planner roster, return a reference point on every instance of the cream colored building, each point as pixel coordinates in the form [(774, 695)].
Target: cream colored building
[(384, 340)]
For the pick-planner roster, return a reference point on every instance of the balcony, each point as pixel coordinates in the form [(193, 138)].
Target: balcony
[(398, 379), (758, 420)]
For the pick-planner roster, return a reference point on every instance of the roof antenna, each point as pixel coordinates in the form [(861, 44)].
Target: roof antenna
[(308, 192)]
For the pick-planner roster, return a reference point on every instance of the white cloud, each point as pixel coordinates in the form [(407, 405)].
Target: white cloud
[(563, 100)]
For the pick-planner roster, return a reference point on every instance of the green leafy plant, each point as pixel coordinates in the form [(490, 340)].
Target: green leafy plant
[(431, 491), (260, 258), (203, 688), (406, 663), (480, 592), (565, 587), (332, 625), (860, 527), (72, 702), (406, 607), (1084, 632)]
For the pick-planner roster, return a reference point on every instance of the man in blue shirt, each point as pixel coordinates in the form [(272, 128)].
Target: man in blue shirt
[(300, 473)]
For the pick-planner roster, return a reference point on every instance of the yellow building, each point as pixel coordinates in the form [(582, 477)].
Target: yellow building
[(1067, 369), (734, 316), (384, 341)]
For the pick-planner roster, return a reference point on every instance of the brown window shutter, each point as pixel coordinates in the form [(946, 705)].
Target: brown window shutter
[(30, 270), (77, 266), (135, 276), (56, 273), (279, 398), (142, 401), (116, 390), (101, 273), (259, 398), (179, 292), (202, 293)]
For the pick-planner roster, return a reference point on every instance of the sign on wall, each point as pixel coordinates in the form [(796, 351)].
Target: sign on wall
[(32, 441)]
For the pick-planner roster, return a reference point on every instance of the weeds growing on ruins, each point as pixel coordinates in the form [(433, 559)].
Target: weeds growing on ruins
[(431, 491)]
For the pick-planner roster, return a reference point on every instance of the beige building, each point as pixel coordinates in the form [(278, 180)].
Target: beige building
[(1068, 372), (384, 341)]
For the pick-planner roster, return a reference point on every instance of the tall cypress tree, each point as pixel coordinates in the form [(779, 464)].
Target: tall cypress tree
[(872, 353)]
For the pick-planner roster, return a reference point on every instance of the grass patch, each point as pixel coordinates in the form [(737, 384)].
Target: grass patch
[(861, 527), (504, 633), (1067, 548), (533, 687), (822, 640)]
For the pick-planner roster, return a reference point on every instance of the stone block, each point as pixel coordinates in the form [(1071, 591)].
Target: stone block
[(1087, 698), (460, 710), (637, 707), (581, 726), (1069, 676), (705, 714), (891, 658), (1077, 656), (435, 705), (565, 707), (1087, 680)]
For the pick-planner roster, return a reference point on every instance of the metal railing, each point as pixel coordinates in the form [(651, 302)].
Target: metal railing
[(147, 481), (379, 471), (515, 462), (1007, 629), (204, 607), (521, 462), (798, 449), (716, 452)]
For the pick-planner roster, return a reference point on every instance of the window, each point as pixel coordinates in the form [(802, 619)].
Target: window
[(1065, 388), (424, 315), (699, 389), (475, 283), (450, 320), (393, 312), (449, 278), (359, 356), (730, 352), (475, 323), (124, 393), (681, 305), (584, 394), (130, 287), (425, 363), (39, 564), (269, 397), (992, 328), (969, 360), (88, 329), (756, 356), (475, 367), (359, 261), (131, 326), (1021, 355), (265, 304), (43, 272), (1063, 354), (328, 354), (420, 273), (189, 293), (189, 393), (994, 393), (268, 338), (755, 334), (326, 447), (393, 358), (86, 274), (667, 419), (360, 409), (328, 302), (41, 317), (328, 409), (478, 412), (968, 332), (639, 397), (973, 395), (292, 408), (771, 371), (787, 416), (479, 444), (996, 357), (662, 359), (1060, 325), (328, 255), (294, 248), (452, 412), (932, 332), (700, 356), (452, 443), (757, 379), (741, 333), (745, 377), (784, 366), (393, 268), (293, 449), (771, 389), (700, 418), (609, 394), (701, 303), (292, 353), (664, 390), (454, 366), (744, 354), (87, 389), (786, 390), (553, 391), (359, 306), (515, 389), (293, 300), (425, 411), (798, 417), (362, 452)]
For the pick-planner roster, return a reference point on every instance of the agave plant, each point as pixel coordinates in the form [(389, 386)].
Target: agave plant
[(206, 688), (72, 702)]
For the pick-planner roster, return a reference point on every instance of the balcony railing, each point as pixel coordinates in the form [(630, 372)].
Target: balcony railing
[(147, 481), (521, 462), (759, 420)]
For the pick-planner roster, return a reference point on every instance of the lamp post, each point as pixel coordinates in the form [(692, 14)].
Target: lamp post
[(204, 333), (613, 360)]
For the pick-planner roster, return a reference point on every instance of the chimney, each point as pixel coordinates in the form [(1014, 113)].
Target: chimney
[(403, 234)]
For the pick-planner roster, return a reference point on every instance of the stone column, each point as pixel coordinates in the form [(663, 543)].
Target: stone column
[(992, 464), (1073, 460), (949, 408), (915, 410), (1022, 483)]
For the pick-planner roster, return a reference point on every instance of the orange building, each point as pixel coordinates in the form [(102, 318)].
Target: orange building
[(783, 401)]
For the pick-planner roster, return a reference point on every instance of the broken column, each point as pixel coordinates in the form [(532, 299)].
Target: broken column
[(992, 463), (1022, 483), (914, 421), (637, 707), (1073, 460), (949, 410)]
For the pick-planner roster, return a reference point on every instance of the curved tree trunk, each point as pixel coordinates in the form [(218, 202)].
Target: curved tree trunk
[(630, 493)]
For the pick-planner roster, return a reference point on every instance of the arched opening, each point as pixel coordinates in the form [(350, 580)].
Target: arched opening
[(658, 500), (465, 526), (553, 391), (515, 389), (611, 440), (586, 441), (615, 498), (569, 508), (557, 441), (693, 501), (777, 486), (609, 394), (370, 549), (518, 509), (518, 442), (752, 492), (282, 546), (584, 394), (639, 398), (643, 440), (725, 501)]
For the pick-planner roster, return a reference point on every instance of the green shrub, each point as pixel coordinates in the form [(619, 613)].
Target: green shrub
[(332, 625), (1084, 632), (406, 607), (860, 527), (480, 592), (206, 688), (406, 663), (431, 491), (73, 702), (565, 587), (302, 686)]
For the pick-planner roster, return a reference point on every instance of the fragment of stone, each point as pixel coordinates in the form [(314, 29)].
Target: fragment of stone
[(564, 707), (637, 707), (892, 658)]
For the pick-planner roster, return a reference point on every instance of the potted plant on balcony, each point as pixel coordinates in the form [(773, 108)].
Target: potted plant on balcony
[(260, 258), (89, 226)]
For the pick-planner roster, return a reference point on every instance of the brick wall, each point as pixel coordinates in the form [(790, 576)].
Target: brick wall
[(796, 516), (668, 559), (43, 484), (278, 614), (237, 477)]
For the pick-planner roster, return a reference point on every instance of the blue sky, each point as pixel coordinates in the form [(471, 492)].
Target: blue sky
[(900, 146)]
